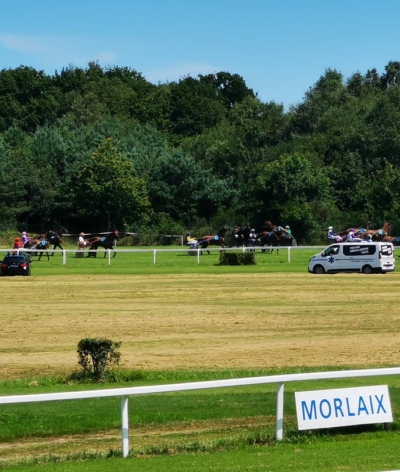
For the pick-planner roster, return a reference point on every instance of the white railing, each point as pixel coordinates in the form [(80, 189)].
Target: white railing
[(125, 393), (196, 251)]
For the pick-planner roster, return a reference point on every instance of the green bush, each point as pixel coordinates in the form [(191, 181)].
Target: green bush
[(233, 258), (95, 355)]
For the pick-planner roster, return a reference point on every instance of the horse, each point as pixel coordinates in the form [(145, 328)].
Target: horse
[(363, 233), (376, 234), (40, 244), (272, 236), (54, 238), (241, 235), (219, 239), (270, 239), (107, 242)]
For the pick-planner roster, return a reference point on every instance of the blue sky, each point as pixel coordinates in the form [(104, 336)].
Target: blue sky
[(280, 47)]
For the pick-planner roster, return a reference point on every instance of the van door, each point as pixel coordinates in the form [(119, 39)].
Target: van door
[(331, 255), (386, 257)]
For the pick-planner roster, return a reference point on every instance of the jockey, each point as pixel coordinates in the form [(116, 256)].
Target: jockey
[(288, 230), (252, 237), (351, 237), (81, 241), (18, 244), (192, 242), (25, 238), (333, 235)]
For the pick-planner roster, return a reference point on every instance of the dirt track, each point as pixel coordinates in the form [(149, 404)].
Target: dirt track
[(197, 321)]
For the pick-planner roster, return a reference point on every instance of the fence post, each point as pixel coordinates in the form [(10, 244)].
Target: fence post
[(64, 257), (155, 257), (288, 254), (279, 411), (198, 255), (125, 426), (109, 256)]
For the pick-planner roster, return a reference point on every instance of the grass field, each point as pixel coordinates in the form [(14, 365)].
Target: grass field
[(179, 320)]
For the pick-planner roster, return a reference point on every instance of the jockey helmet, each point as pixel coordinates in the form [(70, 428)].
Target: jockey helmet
[(252, 229), (352, 229), (16, 239), (82, 234), (330, 228), (287, 227), (23, 233)]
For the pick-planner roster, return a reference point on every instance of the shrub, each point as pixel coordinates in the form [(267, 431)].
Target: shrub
[(95, 355), (232, 258)]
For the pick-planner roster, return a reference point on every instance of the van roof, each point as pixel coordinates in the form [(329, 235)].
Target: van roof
[(361, 242)]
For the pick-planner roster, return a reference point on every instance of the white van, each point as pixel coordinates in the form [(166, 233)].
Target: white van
[(354, 257)]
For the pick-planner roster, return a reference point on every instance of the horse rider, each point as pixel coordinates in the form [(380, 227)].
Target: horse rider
[(352, 238), (252, 237), (332, 235), (25, 238), (81, 241), (288, 231), (18, 244)]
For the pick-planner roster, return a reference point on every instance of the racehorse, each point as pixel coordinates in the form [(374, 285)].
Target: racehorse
[(219, 239), (40, 244), (273, 235), (241, 235), (107, 242), (376, 234), (270, 239), (363, 233), (54, 238)]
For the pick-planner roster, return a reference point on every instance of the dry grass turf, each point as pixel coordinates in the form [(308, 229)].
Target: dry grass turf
[(201, 321)]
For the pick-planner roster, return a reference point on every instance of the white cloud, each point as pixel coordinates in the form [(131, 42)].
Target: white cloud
[(27, 44), (175, 72)]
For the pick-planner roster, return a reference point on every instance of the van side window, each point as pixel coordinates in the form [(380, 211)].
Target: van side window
[(359, 250)]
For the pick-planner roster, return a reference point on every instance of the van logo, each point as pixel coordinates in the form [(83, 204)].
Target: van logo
[(331, 259)]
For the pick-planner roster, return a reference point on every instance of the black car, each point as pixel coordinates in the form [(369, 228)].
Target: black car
[(16, 265)]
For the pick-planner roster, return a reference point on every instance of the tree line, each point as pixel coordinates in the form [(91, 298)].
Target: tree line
[(98, 148)]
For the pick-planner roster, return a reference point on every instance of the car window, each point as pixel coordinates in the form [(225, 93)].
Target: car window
[(13, 260)]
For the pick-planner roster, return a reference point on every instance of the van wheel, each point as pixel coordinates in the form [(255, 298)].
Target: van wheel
[(318, 269), (367, 269)]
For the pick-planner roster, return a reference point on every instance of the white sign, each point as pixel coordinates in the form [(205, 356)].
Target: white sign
[(343, 407)]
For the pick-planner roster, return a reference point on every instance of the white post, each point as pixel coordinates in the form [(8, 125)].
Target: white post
[(125, 426), (279, 411), (155, 257), (64, 257), (109, 256), (198, 255), (288, 254), (182, 241)]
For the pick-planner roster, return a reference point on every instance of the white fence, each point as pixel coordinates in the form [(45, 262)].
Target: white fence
[(125, 393), (197, 251)]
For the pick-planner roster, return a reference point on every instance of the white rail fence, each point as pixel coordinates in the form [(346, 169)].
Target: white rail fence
[(193, 251), (125, 393)]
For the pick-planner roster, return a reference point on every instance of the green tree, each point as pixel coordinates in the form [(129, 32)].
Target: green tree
[(107, 187)]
